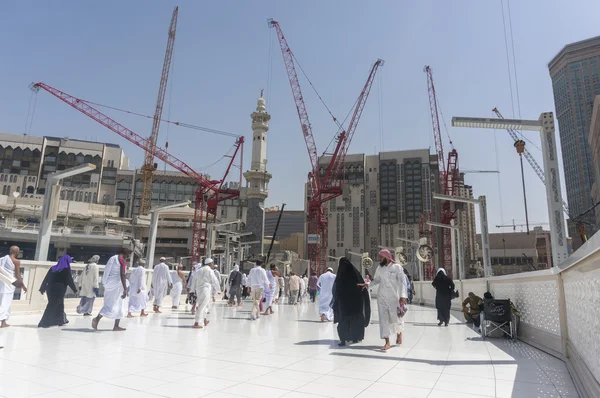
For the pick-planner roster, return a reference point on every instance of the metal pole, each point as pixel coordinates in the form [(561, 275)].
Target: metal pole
[(524, 194), (275, 232), (485, 237)]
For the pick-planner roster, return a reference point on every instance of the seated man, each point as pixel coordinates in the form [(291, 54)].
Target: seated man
[(471, 307)]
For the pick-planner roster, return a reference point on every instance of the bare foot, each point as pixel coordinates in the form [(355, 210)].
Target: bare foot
[(4, 325), (323, 318), (129, 315), (386, 347), (206, 322), (95, 323), (143, 314), (118, 329), (173, 308), (157, 312), (399, 339), (197, 326)]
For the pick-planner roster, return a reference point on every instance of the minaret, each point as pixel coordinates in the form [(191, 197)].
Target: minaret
[(257, 178)]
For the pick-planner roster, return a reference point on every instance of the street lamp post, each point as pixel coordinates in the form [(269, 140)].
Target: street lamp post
[(483, 222), (545, 126), (154, 215), (50, 207), (461, 261)]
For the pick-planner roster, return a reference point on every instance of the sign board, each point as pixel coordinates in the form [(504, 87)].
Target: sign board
[(313, 239), (498, 311)]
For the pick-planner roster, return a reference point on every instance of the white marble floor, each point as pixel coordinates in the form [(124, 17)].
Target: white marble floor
[(288, 354)]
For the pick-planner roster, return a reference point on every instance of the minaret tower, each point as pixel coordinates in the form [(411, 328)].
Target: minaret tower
[(257, 178)]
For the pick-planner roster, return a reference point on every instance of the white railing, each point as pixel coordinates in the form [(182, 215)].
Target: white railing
[(560, 310)]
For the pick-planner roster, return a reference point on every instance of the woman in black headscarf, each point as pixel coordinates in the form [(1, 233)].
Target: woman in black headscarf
[(55, 285), (351, 304)]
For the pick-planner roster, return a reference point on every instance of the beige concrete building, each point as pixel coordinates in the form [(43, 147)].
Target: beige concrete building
[(465, 219), (515, 252), (383, 198)]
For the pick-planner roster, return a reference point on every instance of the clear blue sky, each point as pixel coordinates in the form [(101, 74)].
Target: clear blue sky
[(111, 52)]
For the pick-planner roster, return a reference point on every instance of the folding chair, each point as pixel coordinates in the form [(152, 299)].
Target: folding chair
[(497, 315)]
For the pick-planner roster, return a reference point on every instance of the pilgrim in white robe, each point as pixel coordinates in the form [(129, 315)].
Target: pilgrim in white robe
[(7, 290), (205, 281), (176, 289), (161, 280), (325, 284), (137, 282), (114, 305), (392, 287)]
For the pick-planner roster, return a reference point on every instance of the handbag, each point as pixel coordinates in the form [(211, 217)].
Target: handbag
[(455, 295), (401, 309)]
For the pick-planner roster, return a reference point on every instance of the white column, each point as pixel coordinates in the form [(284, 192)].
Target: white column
[(485, 238), (553, 189)]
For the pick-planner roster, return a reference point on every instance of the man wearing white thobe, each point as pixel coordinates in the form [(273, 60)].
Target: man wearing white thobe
[(218, 276), (10, 268), (392, 292), (178, 278), (204, 281), (138, 296), (257, 282), (161, 282), (325, 284), (115, 290)]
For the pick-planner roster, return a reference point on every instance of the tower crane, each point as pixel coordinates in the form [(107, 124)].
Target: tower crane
[(327, 184), (209, 192), (148, 168), (448, 173)]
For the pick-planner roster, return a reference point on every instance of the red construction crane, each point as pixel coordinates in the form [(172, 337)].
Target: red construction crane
[(448, 174), (327, 184), (208, 194), (148, 168)]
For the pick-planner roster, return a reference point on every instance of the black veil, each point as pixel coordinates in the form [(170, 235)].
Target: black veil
[(349, 299)]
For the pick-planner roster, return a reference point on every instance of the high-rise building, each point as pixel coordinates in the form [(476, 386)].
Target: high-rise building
[(465, 219), (383, 198), (575, 73), (292, 222), (594, 140)]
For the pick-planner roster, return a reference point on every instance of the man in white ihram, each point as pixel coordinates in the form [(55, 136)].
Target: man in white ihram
[(204, 281), (257, 281), (10, 270), (161, 281), (392, 292), (325, 284)]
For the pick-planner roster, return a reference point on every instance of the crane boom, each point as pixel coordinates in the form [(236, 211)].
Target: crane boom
[(332, 174), (208, 194), (435, 120), (311, 146), (531, 160), (329, 185), (148, 168)]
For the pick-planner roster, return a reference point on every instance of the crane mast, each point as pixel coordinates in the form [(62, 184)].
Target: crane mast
[(209, 192), (148, 168), (322, 188), (448, 174)]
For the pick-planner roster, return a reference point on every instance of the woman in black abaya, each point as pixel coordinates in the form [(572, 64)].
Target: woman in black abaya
[(351, 304), (444, 287), (55, 285)]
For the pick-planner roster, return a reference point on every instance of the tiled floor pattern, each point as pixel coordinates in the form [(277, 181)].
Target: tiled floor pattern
[(289, 354)]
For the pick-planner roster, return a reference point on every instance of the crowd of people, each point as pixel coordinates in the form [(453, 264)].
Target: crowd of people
[(343, 298)]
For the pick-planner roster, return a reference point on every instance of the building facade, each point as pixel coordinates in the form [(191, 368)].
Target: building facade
[(383, 198), (515, 252), (292, 222), (465, 219), (575, 73), (594, 140)]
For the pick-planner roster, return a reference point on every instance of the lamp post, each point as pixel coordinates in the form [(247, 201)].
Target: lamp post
[(154, 215), (545, 126), (455, 229), (50, 207), (485, 235)]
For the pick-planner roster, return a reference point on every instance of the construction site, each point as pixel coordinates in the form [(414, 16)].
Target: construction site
[(416, 202)]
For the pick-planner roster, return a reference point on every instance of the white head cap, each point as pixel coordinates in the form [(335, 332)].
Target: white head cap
[(330, 269), (163, 259), (208, 261)]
